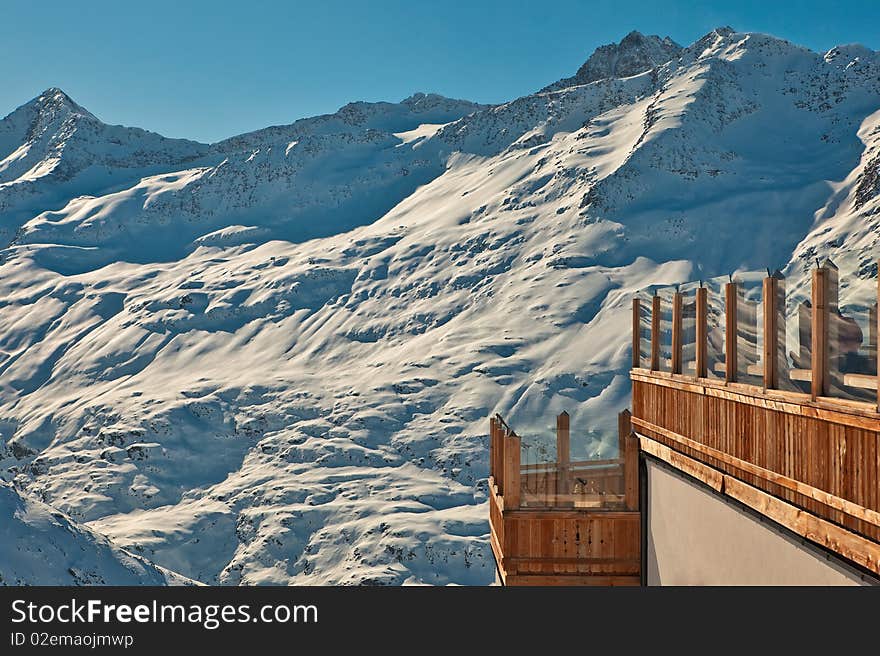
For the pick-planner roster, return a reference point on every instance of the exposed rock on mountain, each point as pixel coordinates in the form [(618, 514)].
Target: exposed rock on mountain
[(636, 53)]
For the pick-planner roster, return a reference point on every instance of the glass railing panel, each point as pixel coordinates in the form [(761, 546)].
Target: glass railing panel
[(688, 293), (795, 374), (749, 328), (645, 329), (852, 337), (716, 337), (589, 478), (666, 294)]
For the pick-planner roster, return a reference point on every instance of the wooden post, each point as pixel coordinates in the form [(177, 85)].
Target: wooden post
[(630, 455), (702, 336), (730, 362), (819, 333), (655, 333), (770, 293), (676, 333), (563, 454), (636, 334), (875, 324), (499, 456), (493, 444), (511, 471)]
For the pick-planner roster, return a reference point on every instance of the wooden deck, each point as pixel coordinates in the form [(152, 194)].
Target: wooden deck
[(564, 523)]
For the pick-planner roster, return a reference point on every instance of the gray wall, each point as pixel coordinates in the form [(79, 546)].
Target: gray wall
[(696, 537)]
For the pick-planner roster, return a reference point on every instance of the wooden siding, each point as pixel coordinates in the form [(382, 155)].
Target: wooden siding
[(819, 456), (558, 547)]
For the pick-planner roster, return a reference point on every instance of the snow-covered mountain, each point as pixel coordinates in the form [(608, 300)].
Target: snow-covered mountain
[(52, 150), (42, 546), (271, 359)]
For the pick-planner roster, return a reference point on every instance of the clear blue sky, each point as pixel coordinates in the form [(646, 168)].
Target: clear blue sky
[(208, 70)]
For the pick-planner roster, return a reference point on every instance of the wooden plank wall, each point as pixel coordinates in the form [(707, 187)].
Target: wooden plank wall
[(569, 548), (771, 444)]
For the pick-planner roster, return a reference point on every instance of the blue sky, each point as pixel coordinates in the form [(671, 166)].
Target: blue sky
[(208, 70)]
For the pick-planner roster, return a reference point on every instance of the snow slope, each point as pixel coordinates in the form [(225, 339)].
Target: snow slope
[(40, 546), (273, 363)]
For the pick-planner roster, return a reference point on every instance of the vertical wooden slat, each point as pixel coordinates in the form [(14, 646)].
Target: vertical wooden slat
[(819, 333), (876, 326), (499, 456), (499, 453), (511, 471), (676, 333), (563, 454), (702, 336), (493, 445), (655, 333), (730, 362), (771, 333), (493, 448), (636, 334)]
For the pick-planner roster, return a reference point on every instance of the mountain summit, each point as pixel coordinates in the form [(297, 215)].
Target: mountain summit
[(636, 53)]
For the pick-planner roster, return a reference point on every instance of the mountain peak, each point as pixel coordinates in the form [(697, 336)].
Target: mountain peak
[(712, 40), (54, 92), (423, 102), (420, 97), (54, 99), (51, 104), (724, 30), (636, 53)]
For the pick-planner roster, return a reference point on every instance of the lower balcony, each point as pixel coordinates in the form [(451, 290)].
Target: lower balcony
[(563, 522)]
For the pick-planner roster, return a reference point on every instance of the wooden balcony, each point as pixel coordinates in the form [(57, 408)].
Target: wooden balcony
[(563, 522), (808, 460)]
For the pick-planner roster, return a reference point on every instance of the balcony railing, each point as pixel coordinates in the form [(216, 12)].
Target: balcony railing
[(560, 521), (818, 340), (527, 478)]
